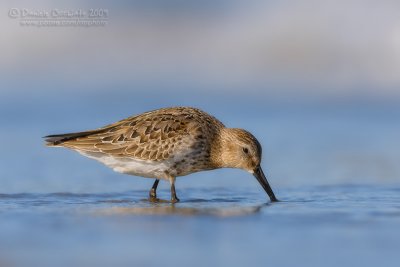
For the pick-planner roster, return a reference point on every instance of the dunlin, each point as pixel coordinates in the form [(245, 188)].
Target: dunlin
[(168, 143)]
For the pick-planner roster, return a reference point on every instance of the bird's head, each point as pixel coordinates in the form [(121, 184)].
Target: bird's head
[(240, 149)]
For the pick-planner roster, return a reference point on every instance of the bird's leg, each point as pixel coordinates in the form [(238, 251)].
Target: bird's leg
[(174, 198), (153, 191)]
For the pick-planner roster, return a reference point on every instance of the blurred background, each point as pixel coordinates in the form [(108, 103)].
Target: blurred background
[(317, 82)]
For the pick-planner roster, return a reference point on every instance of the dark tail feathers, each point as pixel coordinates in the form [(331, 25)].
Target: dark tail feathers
[(57, 139)]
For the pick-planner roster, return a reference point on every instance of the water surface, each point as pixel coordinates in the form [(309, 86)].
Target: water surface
[(347, 225), (334, 168)]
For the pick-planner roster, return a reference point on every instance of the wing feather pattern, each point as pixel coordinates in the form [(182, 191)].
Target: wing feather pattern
[(153, 135)]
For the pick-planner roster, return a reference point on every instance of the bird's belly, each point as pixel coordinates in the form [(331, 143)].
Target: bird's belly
[(144, 168)]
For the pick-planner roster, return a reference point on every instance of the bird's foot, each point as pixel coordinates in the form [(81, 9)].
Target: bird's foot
[(152, 195), (154, 199), (174, 200)]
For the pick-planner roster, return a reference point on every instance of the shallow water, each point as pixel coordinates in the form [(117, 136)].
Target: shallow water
[(342, 225), (334, 168)]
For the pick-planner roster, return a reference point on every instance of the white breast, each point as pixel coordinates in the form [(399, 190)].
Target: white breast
[(144, 168)]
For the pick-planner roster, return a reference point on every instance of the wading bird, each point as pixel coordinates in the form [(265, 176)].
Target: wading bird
[(168, 143)]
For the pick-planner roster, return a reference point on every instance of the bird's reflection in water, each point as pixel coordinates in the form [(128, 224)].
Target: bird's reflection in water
[(227, 204), (192, 207)]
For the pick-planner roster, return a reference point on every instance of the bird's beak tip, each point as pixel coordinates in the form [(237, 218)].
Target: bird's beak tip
[(260, 176)]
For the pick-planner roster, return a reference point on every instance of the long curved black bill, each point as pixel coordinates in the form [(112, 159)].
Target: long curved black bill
[(259, 174)]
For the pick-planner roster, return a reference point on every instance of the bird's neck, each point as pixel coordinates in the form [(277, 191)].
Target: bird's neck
[(224, 152)]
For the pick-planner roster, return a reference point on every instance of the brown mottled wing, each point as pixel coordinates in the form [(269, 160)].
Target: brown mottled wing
[(150, 136)]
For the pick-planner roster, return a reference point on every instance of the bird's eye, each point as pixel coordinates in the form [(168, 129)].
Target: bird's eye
[(246, 150)]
